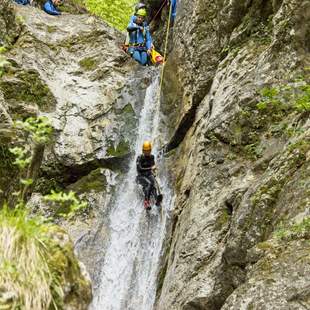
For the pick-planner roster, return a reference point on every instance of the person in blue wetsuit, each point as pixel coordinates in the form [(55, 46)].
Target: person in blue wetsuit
[(23, 2), (50, 7), (140, 40), (173, 10)]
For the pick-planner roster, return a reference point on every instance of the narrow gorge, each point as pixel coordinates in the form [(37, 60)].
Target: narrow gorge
[(230, 129)]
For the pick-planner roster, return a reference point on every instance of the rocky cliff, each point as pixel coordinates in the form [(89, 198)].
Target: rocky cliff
[(236, 105), (238, 76)]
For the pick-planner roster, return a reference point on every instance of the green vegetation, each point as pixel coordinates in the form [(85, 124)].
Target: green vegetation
[(222, 220), (272, 116), (24, 268), (29, 85), (38, 128), (295, 231), (95, 181), (65, 204), (286, 98), (36, 262), (88, 63), (114, 12), (254, 150), (120, 150), (34, 132), (3, 63)]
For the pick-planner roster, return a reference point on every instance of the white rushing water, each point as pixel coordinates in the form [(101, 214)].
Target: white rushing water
[(131, 263)]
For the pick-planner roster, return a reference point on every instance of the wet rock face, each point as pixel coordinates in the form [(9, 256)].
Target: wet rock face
[(237, 166)]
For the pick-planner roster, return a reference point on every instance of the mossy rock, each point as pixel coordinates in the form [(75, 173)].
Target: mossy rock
[(222, 220), (74, 7), (121, 150), (8, 173), (95, 181), (66, 269), (88, 63), (27, 87), (51, 29)]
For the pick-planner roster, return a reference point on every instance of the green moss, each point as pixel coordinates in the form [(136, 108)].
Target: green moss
[(122, 149), (302, 146), (95, 181), (27, 87), (88, 63), (128, 109), (51, 29), (295, 231), (222, 220), (254, 150), (264, 245), (3, 50)]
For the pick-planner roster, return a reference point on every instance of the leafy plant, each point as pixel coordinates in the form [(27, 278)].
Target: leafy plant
[(39, 128), (302, 103), (254, 150), (66, 204), (22, 158), (295, 231), (285, 98)]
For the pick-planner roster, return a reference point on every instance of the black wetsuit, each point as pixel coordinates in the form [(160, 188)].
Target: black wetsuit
[(145, 175)]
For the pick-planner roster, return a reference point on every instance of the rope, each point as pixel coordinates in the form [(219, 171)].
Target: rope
[(165, 51), (159, 10)]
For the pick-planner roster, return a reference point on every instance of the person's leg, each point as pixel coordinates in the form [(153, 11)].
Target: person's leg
[(148, 188), (153, 185), (144, 58), (137, 56), (143, 182)]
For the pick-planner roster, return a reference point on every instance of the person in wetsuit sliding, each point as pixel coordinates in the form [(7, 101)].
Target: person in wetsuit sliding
[(145, 169)]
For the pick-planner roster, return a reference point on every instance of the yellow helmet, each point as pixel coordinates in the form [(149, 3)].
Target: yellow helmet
[(141, 12), (147, 146)]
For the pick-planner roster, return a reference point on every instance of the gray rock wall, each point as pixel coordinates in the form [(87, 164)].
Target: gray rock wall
[(241, 169)]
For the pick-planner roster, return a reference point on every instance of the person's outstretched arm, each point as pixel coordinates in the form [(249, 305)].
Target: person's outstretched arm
[(132, 26)]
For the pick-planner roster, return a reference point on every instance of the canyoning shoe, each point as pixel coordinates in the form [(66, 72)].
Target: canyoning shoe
[(147, 204), (159, 199)]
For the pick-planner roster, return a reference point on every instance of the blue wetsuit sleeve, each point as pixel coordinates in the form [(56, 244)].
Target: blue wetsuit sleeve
[(173, 9), (132, 26), (49, 8)]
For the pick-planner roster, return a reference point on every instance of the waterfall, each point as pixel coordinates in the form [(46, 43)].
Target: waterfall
[(132, 258)]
